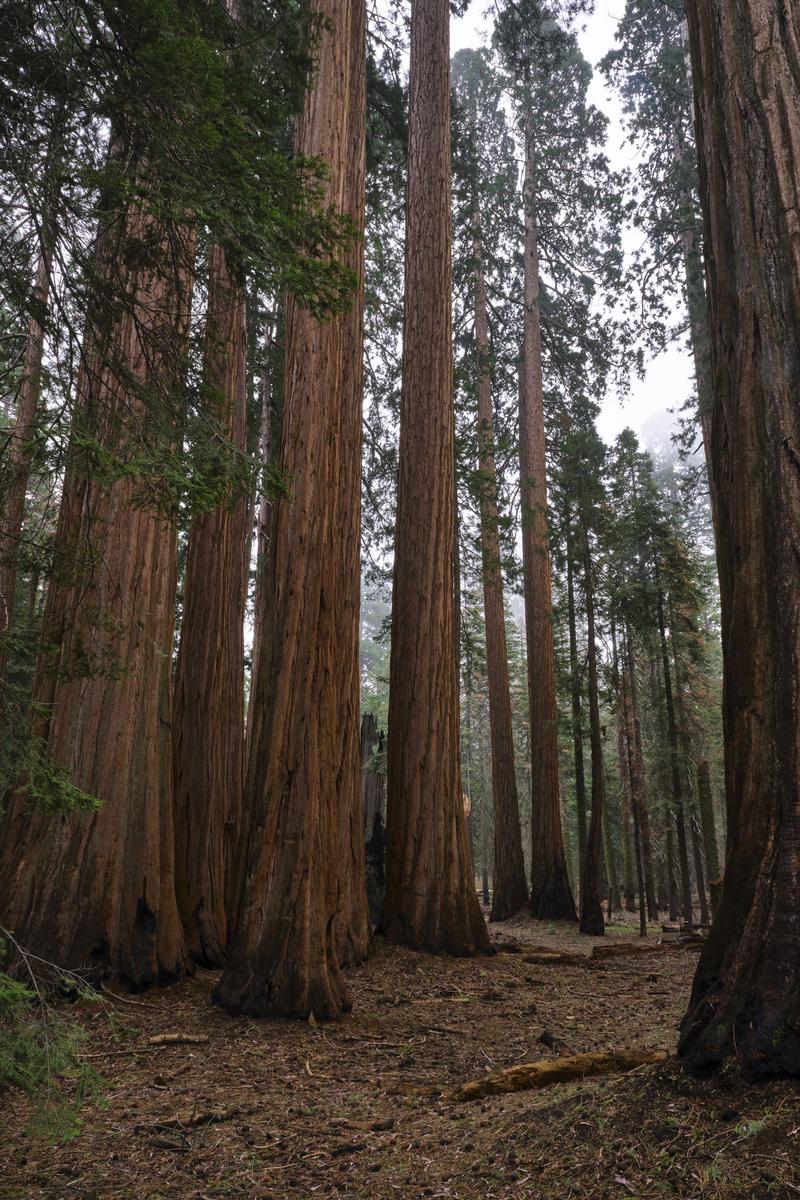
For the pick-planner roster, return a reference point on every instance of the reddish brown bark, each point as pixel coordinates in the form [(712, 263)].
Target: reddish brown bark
[(510, 887), (208, 720), (746, 995), (551, 896), (430, 895), (17, 448), (303, 789), (97, 890)]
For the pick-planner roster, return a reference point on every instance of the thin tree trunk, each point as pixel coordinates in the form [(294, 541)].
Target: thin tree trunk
[(591, 920), (614, 901), (265, 512), (575, 693), (430, 902), (208, 718), (303, 792), (551, 897), (510, 887), (697, 855), (677, 788), (638, 780), (96, 890), (635, 775), (706, 807)]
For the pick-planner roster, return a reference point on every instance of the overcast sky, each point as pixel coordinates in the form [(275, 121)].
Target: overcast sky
[(667, 382)]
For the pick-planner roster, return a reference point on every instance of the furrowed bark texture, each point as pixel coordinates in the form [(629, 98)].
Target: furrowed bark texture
[(208, 720), (17, 450), (303, 773), (97, 890), (551, 896), (430, 895), (510, 886), (745, 58)]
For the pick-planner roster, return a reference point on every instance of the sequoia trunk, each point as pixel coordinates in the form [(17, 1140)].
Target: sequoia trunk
[(430, 902), (510, 887), (303, 788), (746, 996), (551, 896), (208, 721), (96, 890)]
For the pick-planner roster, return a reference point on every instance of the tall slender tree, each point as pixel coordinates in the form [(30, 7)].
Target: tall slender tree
[(208, 720), (746, 994), (485, 138), (430, 901), (303, 790)]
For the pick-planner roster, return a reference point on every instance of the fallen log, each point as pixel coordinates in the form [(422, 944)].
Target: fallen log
[(556, 1070), (625, 949), (555, 957)]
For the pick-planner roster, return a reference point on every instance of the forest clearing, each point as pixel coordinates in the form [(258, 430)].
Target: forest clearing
[(399, 599), (363, 1108)]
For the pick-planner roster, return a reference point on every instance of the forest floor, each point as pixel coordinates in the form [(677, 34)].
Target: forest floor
[(267, 1110)]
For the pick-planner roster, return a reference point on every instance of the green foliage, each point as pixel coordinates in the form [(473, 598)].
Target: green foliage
[(41, 1052)]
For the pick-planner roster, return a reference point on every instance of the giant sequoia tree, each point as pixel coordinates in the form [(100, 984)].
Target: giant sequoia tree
[(746, 995), (430, 895), (303, 908), (97, 888)]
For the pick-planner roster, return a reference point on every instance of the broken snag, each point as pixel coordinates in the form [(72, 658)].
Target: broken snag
[(556, 1070)]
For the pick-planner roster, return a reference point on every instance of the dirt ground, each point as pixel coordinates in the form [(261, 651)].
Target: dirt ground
[(270, 1110)]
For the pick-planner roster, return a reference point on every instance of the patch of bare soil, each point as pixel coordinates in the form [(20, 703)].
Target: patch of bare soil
[(270, 1110)]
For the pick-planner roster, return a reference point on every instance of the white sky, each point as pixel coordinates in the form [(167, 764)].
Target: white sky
[(667, 382)]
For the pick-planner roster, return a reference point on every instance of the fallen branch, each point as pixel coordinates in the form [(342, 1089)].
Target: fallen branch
[(556, 1070), (212, 1116), (178, 1039)]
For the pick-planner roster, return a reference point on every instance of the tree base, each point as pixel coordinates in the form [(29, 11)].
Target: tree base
[(255, 992), (552, 900), (436, 925)]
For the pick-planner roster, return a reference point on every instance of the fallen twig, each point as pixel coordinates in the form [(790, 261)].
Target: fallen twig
[(178, 1039)]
